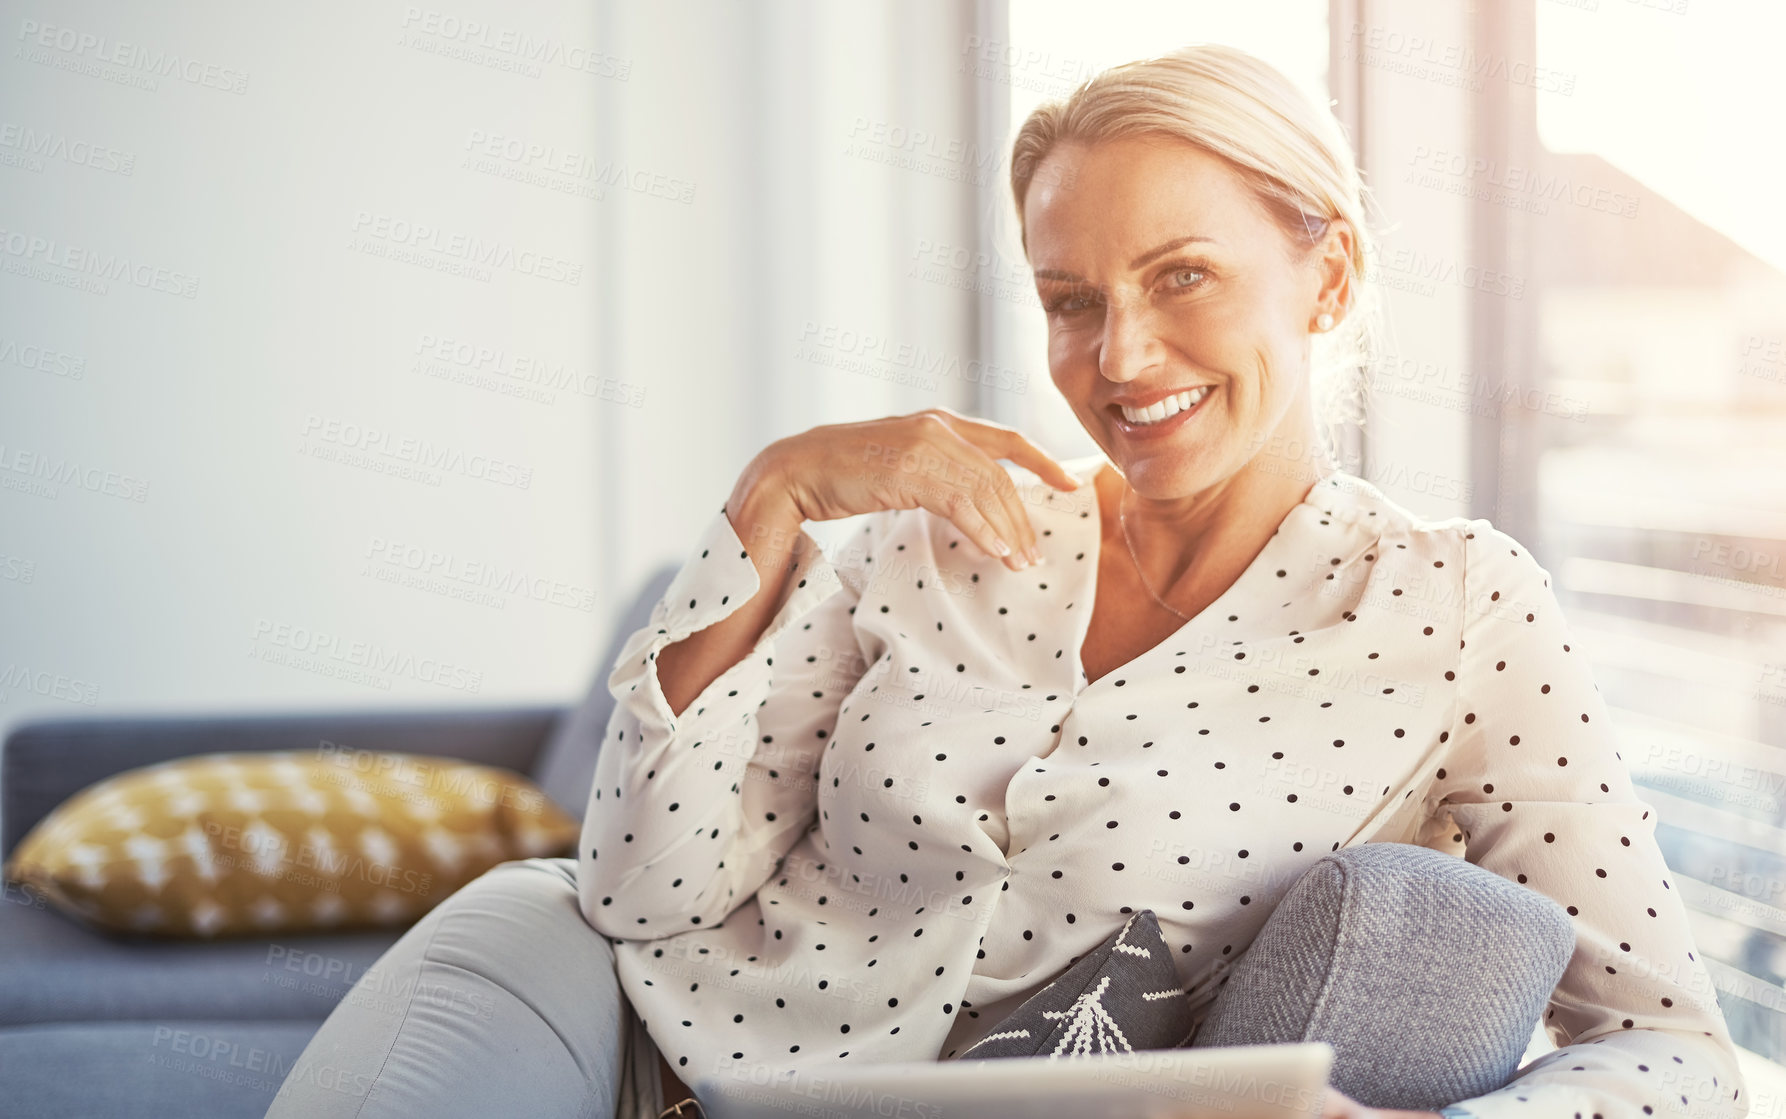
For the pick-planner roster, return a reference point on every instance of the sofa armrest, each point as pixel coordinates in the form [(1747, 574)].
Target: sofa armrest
[(567, 761), (44, 763)]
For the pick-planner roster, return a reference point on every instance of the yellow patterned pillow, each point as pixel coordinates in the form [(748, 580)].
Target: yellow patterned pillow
[(232, 844)]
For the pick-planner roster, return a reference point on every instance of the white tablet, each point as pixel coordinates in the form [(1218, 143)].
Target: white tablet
[(1229, 1082)]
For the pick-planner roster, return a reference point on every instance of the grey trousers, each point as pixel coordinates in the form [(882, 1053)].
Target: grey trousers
[(1427, 974), (500, 1001)]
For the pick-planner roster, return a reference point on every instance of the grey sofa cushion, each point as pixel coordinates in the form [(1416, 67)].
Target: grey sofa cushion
[(194, 1069), (1409, 927), (53, 970), (1121, 996), (567, 762)]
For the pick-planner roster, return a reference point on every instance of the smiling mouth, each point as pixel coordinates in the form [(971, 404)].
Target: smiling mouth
[(1165, 408)]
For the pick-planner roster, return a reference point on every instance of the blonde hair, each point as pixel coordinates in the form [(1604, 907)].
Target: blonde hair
[(1291, 153)]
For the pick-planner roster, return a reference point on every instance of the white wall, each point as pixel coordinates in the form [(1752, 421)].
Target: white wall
[(828, 143), (277, 205), (688, 216)]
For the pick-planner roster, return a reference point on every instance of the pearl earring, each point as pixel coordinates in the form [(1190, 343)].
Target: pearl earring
[(1324, 321)]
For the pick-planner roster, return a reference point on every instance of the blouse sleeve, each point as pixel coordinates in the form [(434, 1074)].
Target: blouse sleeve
[(1536, 784), (689, 814)]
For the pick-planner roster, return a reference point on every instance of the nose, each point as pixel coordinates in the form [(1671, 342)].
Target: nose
[(1131, 344)]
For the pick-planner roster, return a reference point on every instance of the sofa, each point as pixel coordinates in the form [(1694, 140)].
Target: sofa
[(95, 1025)]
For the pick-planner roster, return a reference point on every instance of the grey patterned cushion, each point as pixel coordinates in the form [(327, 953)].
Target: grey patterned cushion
[(1121, 996)]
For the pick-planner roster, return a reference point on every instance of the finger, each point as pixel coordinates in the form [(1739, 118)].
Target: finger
[(1009, 443), (999, 518), (961, 511), (1016, 501), (996, 496), (1001, 493), (1045, 466), (959, 466), (1337, 1105)]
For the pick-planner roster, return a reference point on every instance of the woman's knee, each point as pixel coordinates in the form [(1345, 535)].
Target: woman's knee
[(501, 990), (543, 889), (519, 927)]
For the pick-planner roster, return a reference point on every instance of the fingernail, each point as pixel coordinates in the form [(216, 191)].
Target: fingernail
[(1001, 547)]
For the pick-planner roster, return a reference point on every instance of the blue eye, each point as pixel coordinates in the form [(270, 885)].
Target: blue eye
[(1178, 275)]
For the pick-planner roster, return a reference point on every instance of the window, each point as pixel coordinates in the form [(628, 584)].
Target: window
[(1657, 482), (1616, 399)]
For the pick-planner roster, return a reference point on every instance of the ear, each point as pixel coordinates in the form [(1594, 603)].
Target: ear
[(1333, 263)]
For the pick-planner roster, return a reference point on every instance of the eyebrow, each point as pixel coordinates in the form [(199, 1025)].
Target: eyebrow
[(1141, 261)]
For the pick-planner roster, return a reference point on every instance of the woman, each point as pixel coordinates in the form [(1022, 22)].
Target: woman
[(857, 810)]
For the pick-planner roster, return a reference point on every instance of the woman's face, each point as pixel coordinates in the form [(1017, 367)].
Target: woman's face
[(1161, 275)]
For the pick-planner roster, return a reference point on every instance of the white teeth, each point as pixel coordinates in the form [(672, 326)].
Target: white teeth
[(1170, 406)]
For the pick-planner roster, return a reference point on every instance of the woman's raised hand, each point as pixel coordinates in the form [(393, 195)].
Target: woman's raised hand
[(935, 459)]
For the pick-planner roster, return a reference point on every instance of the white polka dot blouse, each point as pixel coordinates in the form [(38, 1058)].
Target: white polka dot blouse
[(907, 810)]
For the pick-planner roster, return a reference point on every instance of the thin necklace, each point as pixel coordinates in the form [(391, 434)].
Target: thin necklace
[(1122, 519)]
